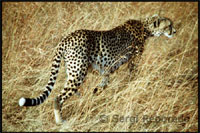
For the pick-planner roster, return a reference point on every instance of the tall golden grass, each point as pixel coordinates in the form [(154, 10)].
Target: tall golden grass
[(163, 96)]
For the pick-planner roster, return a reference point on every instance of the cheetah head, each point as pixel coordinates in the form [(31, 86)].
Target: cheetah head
[(160, 26)]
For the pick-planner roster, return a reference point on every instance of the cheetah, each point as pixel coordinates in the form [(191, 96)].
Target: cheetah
[(105, 51)]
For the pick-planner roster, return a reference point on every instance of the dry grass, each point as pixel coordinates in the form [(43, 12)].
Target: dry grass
[(166, 84)]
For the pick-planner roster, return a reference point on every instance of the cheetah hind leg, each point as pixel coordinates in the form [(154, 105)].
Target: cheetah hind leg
[(57, 111), (58, 102)]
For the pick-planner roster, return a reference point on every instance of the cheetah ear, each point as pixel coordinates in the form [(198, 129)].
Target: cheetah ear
[(155, 15)]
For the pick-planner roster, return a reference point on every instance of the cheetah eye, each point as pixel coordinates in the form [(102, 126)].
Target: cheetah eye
[(154, 24)]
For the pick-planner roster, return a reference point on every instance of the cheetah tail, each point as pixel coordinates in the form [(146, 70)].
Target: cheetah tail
[(54, 72)]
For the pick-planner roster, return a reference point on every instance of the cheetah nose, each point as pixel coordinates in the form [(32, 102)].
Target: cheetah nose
[(174, 31)]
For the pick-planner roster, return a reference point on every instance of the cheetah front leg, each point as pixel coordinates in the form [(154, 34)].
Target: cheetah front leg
[(121, 59), (133, 63), (100, 87)]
